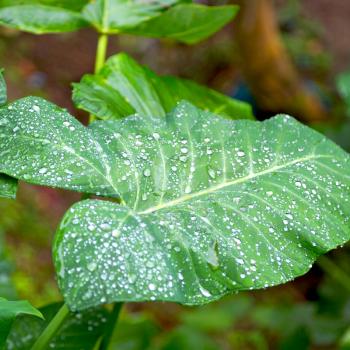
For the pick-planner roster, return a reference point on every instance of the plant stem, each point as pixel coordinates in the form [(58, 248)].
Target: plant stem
[(334, 271), (101, 51), (43, 341), (101, 54), (111, 326)]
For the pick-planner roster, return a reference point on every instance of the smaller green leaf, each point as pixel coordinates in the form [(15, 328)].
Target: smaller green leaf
[(113, 16), (8, 186), (123, 87), (343, 84), (78, 331), (188, 23), (76, 5), (345, 341), (3, 89), (40, 19), (6, 288), (9, 310)]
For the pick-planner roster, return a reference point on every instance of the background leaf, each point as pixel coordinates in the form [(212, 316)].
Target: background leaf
[(123, 87), (76, 5), (3, 89), (78, 331), (112, 16), (156, 19), (9, 310), (343, 85), (188, 23), (7, 289), (41, 17), (212, 206)]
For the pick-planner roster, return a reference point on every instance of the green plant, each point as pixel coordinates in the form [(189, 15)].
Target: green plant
[(196, 205)]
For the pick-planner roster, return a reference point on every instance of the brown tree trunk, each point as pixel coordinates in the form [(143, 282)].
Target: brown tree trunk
[(267, 67)]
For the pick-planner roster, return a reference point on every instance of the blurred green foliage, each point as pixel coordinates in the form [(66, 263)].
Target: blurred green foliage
[(27, 250)]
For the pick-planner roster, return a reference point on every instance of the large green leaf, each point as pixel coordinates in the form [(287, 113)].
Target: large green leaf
[(188, 23), (123, 87), (78, 331), (9, 310), (211, 206)]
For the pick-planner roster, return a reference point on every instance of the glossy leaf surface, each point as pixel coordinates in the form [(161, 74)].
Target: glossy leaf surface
[(9, 310), (123, 87), (212, 206), (78, 331)]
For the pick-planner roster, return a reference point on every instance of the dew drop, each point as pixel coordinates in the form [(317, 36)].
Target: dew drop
[(147, 173), (184, 150), (43, 171), (204, 292), (152, 286), (212, 173), (156, 136), (115, 233), (92, 266), (36, 108)]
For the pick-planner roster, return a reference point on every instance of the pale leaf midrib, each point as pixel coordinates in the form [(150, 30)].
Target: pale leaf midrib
[(222, 185)]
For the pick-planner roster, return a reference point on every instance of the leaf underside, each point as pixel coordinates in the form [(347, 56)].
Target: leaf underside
[(78, 331), (123, 87), (9, 310), (210, 206)]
